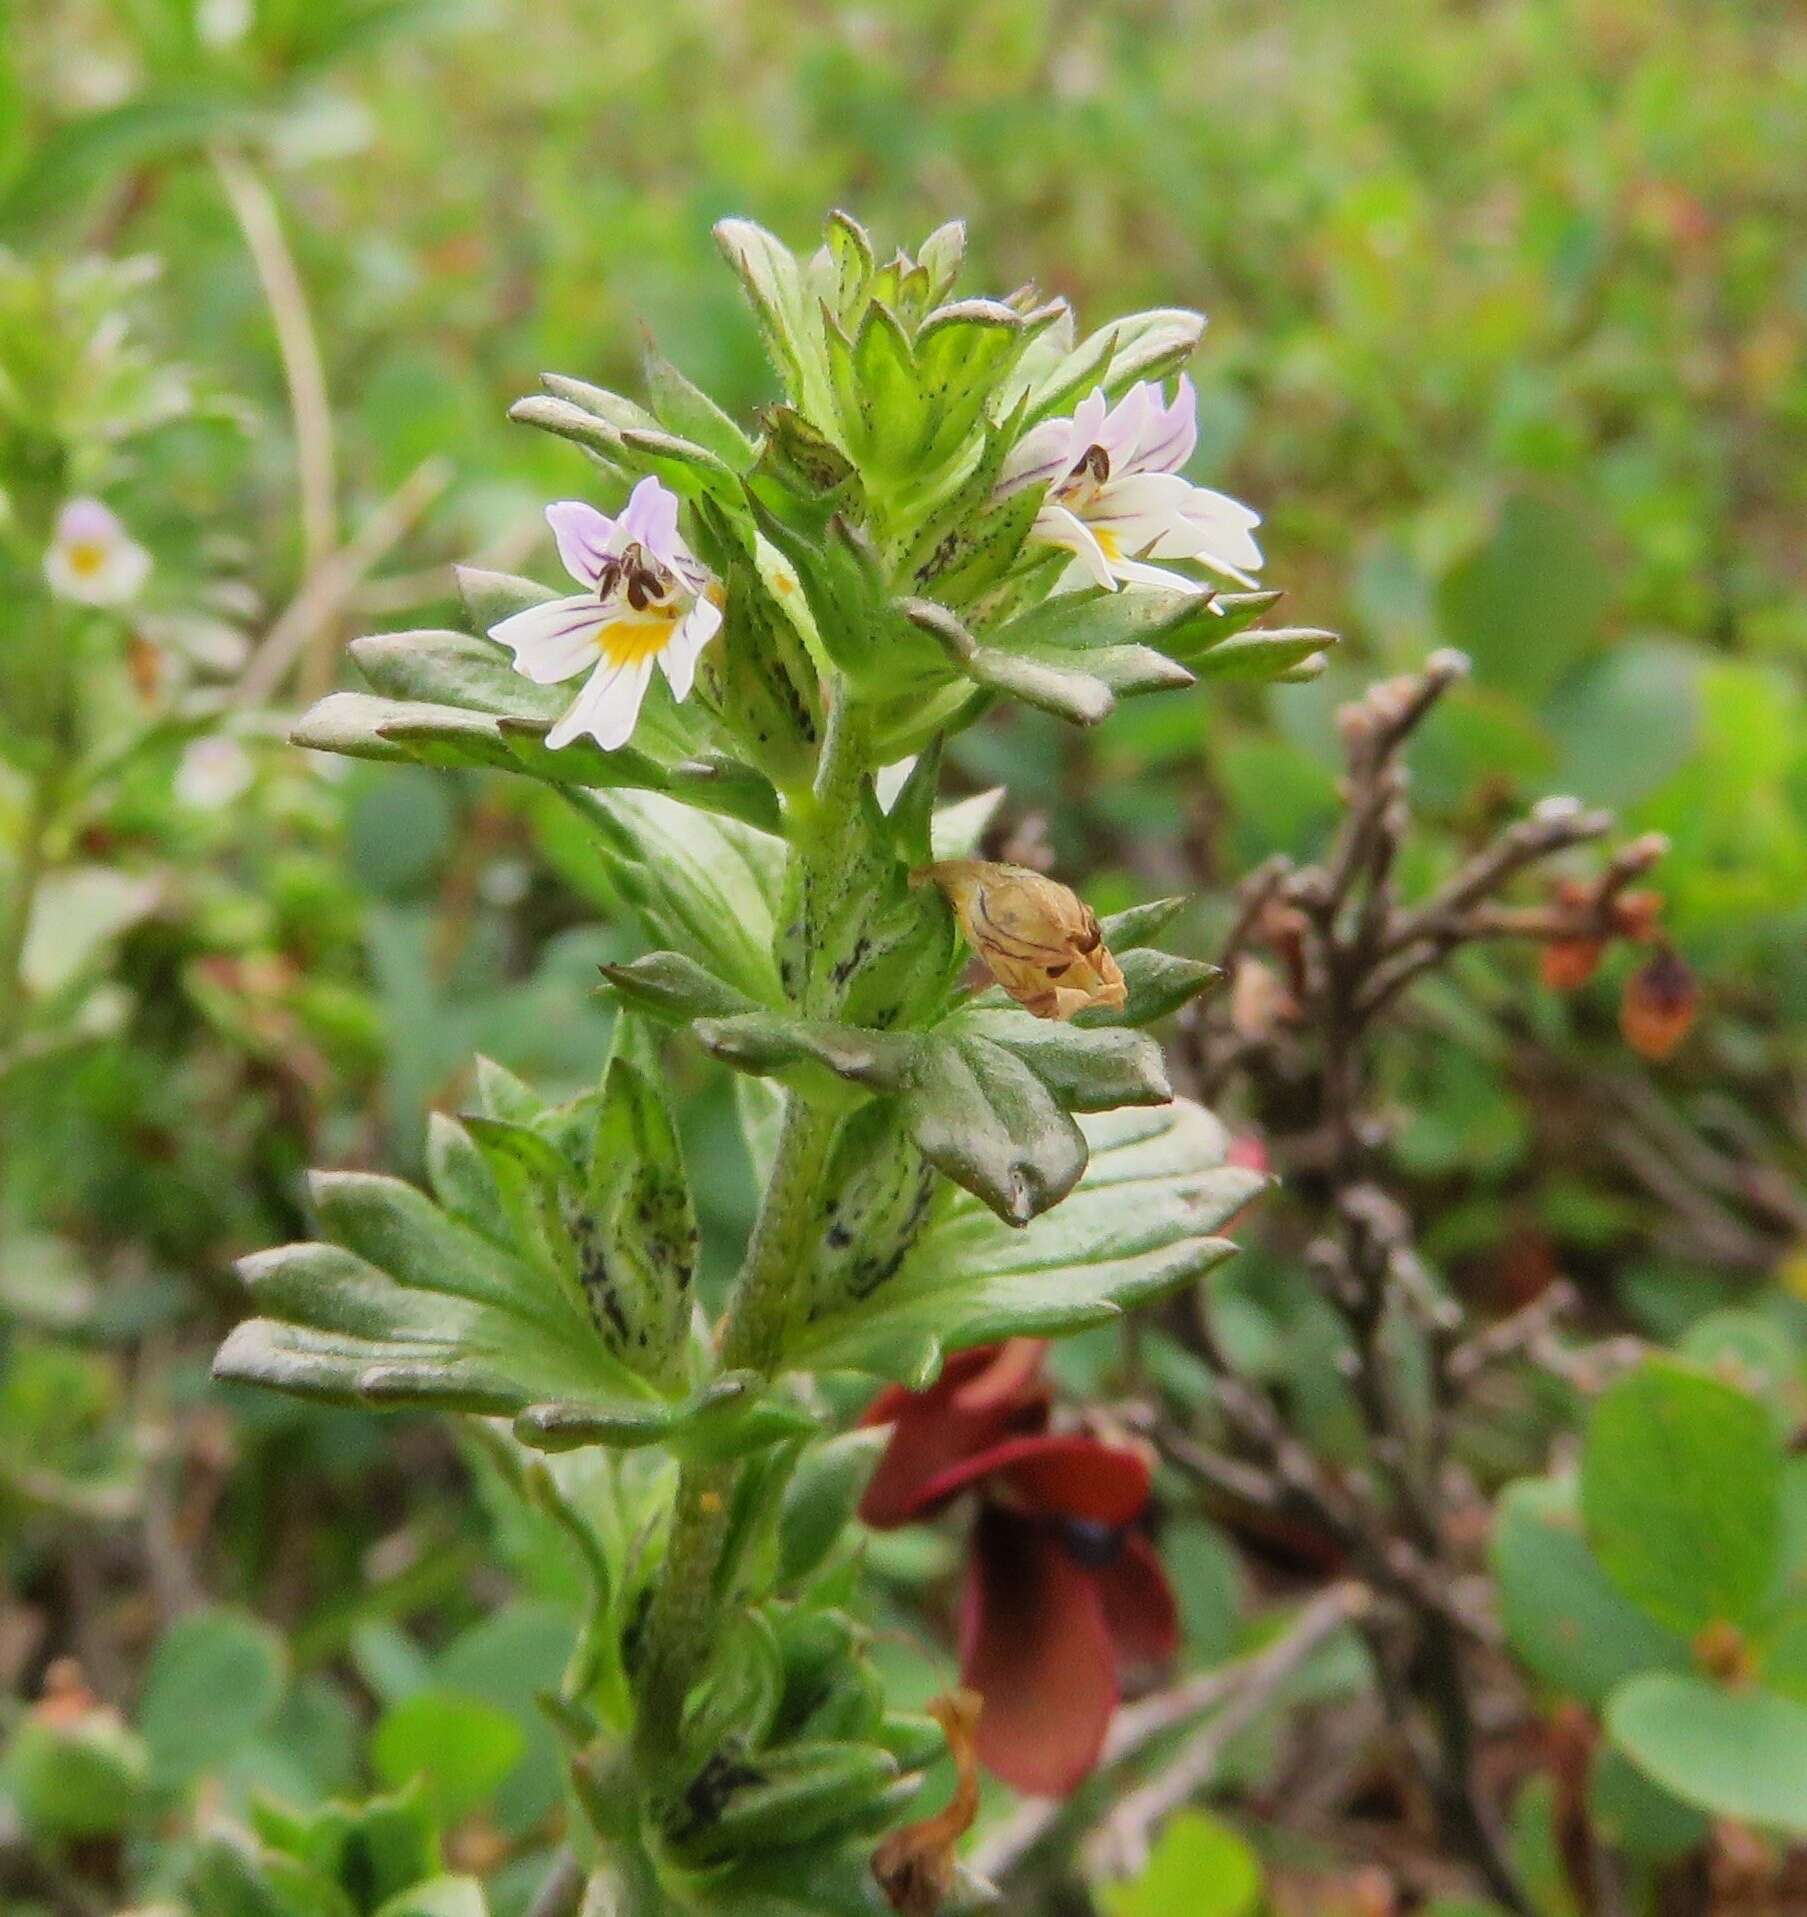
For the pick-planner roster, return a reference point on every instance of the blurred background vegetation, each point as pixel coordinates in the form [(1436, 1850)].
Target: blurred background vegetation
[(1508, 342)]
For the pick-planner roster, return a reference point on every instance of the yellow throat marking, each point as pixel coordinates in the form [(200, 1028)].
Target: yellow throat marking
[(627, 642)]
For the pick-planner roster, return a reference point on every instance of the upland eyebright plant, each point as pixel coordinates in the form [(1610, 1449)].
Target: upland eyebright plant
[(956, 501)]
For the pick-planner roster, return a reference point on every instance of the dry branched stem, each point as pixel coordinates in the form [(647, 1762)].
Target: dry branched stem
[(1347, 949)]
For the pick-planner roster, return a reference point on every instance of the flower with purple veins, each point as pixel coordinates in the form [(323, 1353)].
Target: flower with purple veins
[(645, 598), (1116, 498)]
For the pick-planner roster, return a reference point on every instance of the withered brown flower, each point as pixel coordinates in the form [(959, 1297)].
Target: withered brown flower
[(1038, 940), (915, 1866)]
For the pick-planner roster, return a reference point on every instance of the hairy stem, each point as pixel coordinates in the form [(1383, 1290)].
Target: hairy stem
[(758, 1314)]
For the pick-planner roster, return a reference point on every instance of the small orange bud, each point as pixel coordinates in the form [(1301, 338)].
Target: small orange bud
[(1635, 914), (1568, 964), (1720, 1651), (1038, 940), (1660, 1002), (66, 1700)]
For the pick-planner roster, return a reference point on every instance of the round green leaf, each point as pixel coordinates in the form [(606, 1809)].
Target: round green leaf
[(83, 1781), (1199, 1866), (215, 1680), (1633, 1813), (460, 1747), (1739, 1754), (1526, 639), (1681, 1493), (1563, 1615), (1627, 722), (1752, 1353)]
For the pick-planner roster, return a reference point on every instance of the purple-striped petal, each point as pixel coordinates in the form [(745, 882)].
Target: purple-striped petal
[(1169, 433), (585, 538), (554, 641), (650, 519)]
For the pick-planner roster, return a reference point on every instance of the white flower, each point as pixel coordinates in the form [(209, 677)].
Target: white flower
[(1115, 497), (222, 23), (213, 773), (92, 560), (646, 598)]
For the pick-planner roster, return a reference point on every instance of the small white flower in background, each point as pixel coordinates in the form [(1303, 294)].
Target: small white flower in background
[(222, 23), (645, 598), (214, 772), (1115, 497), (92, 560)]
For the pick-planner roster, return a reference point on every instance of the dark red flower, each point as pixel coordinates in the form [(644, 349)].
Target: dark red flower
[(1063, 1592)]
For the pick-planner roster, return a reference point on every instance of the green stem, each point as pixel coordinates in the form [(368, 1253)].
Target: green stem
[(28, 874), (683, 1608), (758, 1314)]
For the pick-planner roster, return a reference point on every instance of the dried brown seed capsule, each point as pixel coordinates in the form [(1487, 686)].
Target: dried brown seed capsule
[(1038, 940), (1659, 1006)]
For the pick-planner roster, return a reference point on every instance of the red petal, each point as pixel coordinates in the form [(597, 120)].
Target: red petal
[(1035, 1645), (1068, 1476), (937, 1431), (1012, 1375), (897, 1401), (1139, 1604)]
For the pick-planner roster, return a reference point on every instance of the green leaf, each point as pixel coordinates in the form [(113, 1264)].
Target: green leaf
[(454, 669), (87, 1779), (775, 288), (1739, 1754), (215, 1680), (820, 1500), (730, 1416), (371, 1850), (1140, 346), (232, 1878), (1636, 1815), (438, 1897), (1289, 653), (1137, 1226), (672, 987), (509, 1659), (1087, 1070), (799, 1794), (459, 1747), (1526, 636), (1681, 1494), (634, 1225), (1628, 723), (1754, 1354), (74, 159), (686, 409), (707, 886), (1562, 1614), (985, 1096), (1199, 1865), (883, 406), (409, 1304), (1066, 691), (964, 352), (478, 718)]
